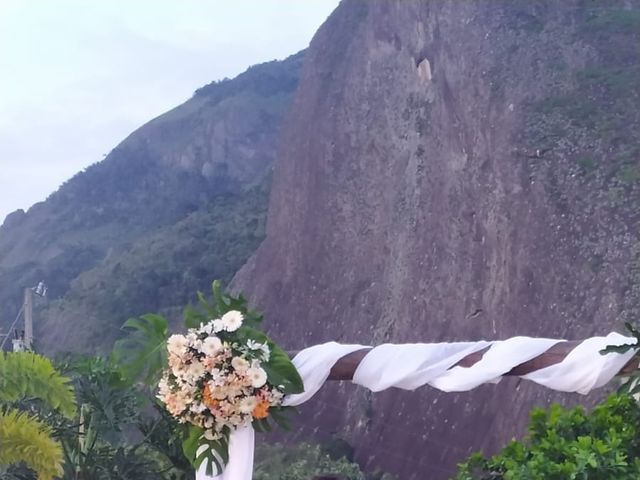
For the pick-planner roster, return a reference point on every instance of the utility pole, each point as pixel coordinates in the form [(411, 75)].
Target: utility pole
[(23, 340), (28, 318)]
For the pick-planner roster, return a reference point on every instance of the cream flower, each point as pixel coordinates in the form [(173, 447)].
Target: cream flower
[(175, 363), (211, 346), (236, 420), (194, 371), (232, 320), (257, 376), (198, 407), (177, 345), (239, 364), (247, 404)]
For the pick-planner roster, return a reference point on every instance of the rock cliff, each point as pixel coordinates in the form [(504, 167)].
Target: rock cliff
[(449, 171)]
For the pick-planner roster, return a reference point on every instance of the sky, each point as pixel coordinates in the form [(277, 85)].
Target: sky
[(78, 76)]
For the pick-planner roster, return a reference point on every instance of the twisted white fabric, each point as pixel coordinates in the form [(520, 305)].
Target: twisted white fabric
[(413, 365)]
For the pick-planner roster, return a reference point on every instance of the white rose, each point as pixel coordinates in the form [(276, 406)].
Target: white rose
[(239, 364), (257, 376), (177, 345), (211, 346), (232, 320)]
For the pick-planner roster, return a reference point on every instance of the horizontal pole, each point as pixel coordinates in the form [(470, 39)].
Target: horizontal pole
[(347, 365)]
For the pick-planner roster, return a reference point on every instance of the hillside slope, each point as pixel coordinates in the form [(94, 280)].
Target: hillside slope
[(152, 222), (449, 171)]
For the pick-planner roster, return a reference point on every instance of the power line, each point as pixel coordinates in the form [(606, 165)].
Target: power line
[(12, 326)]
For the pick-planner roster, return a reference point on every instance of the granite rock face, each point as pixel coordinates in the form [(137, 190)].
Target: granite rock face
[(451, 171)]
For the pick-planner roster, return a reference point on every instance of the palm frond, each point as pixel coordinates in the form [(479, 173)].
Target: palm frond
[(29, 375), (26, 440)]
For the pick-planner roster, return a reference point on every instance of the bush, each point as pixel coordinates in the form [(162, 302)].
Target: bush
[(569, 444)]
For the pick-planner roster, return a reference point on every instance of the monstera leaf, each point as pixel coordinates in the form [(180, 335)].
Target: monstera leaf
[(142, 354)]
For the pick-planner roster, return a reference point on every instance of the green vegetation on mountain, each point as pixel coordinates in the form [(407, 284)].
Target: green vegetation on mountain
[(162, 270), (180, 201)]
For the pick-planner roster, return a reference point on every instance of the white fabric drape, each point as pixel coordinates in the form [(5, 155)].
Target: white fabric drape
[(413, 365)]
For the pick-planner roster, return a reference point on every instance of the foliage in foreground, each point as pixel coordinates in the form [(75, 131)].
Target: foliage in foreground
[(569, 444), (28, 380), (119, 431), (26, 440)]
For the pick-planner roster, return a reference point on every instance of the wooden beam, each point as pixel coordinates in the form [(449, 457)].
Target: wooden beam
[(346, 366)]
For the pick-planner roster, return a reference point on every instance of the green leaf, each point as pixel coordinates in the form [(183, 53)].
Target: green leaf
[(281, 371), (261, 425), (279, 416), (142, 354), (193, 318), (217, 293), (618, 348), (190, 443), (216, 453)]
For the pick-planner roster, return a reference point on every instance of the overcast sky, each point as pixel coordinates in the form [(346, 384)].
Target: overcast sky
[(77, 76)]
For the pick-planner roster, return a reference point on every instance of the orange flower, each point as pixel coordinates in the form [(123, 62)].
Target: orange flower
[(208, 400), (261, 410)]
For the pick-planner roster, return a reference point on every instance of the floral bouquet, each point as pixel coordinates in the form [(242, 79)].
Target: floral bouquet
[(224, 374)]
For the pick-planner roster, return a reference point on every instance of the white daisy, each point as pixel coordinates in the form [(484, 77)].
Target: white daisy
[(232, 320), (257, 376), (239, 364)]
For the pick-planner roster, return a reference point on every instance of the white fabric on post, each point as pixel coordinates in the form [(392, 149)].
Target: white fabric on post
[(585, 368), (492, 365), (410, 366), (413, 365), (314, 365), (240, 466)]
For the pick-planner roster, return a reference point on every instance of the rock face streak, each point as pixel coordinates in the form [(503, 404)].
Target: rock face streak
[(435, 184)]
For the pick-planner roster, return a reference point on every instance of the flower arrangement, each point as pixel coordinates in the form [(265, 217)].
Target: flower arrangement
[(224, 374)]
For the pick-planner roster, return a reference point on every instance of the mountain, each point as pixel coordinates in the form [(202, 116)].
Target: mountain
[(179, 202), (452, 171)]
